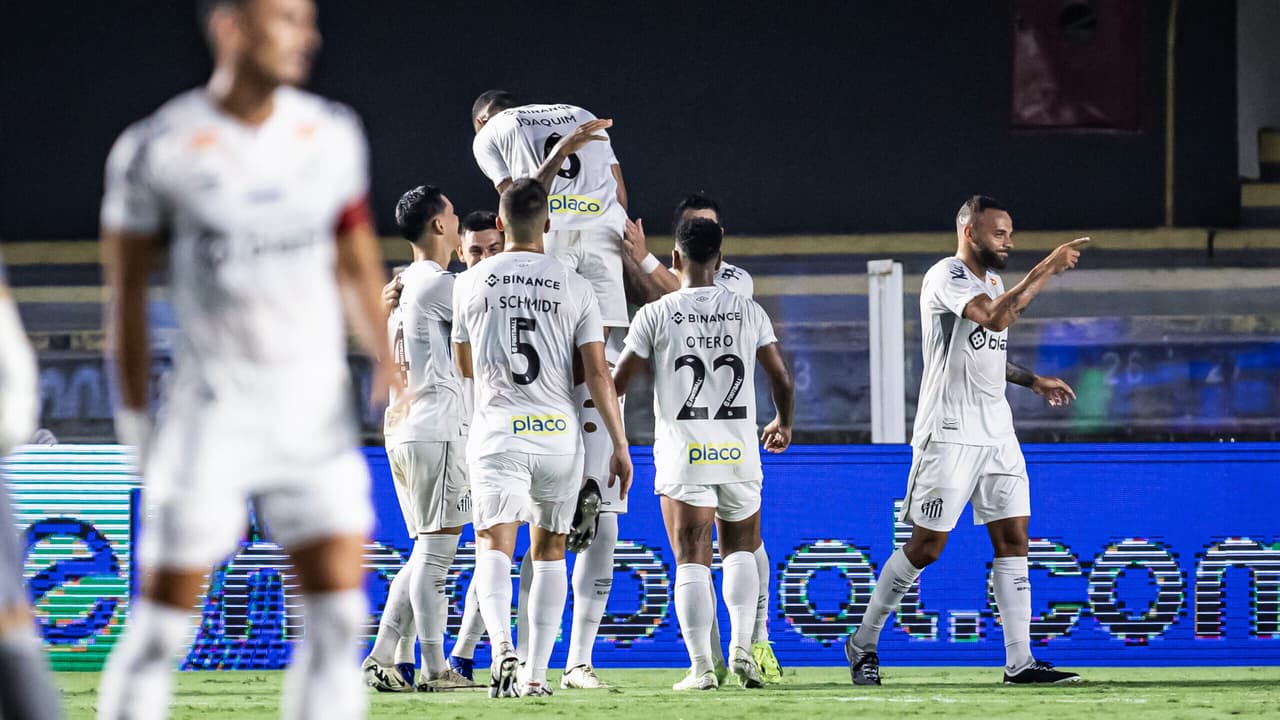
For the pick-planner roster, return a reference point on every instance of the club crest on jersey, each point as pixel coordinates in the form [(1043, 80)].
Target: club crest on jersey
[(574, 205), (539, 425), (715, 453), (978, 339)]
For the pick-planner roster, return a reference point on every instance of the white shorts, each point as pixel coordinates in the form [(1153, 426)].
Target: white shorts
[(196, 520), (431, 484), (733, 502), (596, 255), (522, 487), (945, 476)]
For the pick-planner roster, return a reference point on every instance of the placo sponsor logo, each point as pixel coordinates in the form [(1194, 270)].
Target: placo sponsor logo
[(715, 453), (574, 205), (539, 425)]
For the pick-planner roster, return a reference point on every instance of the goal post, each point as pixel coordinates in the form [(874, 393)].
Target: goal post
[(885, 343)]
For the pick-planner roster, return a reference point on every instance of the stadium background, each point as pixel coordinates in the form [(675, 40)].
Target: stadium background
[(832, 133)]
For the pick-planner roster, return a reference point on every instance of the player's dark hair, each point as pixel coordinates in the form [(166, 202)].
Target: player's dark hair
[(415, 210), (975, 206), (523, 203), (694, 201), (494, 101), (699, 239), (479, 221)]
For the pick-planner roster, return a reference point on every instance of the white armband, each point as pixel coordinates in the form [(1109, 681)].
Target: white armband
[(649, 264)]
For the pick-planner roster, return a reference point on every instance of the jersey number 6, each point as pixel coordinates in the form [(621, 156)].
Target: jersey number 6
[(575, 165), (727, 411)]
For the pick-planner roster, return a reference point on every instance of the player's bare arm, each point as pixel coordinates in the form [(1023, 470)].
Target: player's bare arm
[(361, 281), (653, 283), (568, 145), (630, 365), (1000, 313), (601, 384), (776, 436), (616, 169), (128, 260), (1055, 390), (462, 358)]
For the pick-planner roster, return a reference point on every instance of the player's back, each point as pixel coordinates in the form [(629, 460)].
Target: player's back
[(584, 193), (419, 329), (702, 343), (523, 314)]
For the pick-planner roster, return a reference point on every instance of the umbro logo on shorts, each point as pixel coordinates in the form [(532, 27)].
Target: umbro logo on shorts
[(931, 508)]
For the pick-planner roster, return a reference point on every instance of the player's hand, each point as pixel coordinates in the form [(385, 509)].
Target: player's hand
[(620, 469), (1055, 390), (391, 293), (1065, 256), (776, 437), (633, 240), (581, 135)]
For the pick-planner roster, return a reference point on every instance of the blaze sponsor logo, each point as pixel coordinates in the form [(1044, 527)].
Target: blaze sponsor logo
[(574, 205), (715, 453), (539, 425)]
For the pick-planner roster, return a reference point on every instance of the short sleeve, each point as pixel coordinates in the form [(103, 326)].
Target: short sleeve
[(949, 288), (763, 325), (640, 334), (489, 156), (131, 201), (437, 302), (590, 327), (459, 333), (354, 163)]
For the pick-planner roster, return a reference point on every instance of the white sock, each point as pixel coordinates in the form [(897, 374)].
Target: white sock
[(694, 613), (546, 610), (1013, 599), (592, 581), (404, 649), (896, 578), (397, 619), (472, 625), (522, 609), (492, 579), (26, 688), (137, 681), (432, 556), (761, 631), (324, 682), (741, 589), (717, 645)]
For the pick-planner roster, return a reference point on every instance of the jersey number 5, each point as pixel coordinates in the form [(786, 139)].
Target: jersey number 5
[(727, 411), (575, 165), (518, 347)]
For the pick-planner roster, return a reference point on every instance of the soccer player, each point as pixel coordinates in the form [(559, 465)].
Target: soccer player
[(637, 263), (963, 447), (480, 238), (703, 343), (425, 433), (257, 193), (26, 689), (518, 318)]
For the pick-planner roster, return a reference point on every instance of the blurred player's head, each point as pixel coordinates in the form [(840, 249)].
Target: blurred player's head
[(698, 243), (696, 205), (984, 227), (481, 237), (522, 212), (426, 218), (490, 103), (270, 41)]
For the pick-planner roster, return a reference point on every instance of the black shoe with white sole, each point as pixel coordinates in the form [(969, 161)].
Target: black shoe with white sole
[(864, 666), (1040, 673)]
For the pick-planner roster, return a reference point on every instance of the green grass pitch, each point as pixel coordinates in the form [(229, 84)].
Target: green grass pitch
[(807, 693)]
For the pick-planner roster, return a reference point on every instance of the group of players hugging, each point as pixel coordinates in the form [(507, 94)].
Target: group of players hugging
[(504, 389)]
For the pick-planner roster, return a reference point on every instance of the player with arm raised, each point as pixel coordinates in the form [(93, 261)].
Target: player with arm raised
[(246, 180), (703, 343), (519, 316), (963, 446)]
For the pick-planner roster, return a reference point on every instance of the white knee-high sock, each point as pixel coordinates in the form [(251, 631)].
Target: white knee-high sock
[(694, 612), (1013, 599), (26, 690), (137, 681), (717, 645), (522, 609), (896, 578), (493, 594), (546, 610), (323, 682), (761, 630), (432, 556), (592, 581), (741, 590), (472, 625), (396, 622)]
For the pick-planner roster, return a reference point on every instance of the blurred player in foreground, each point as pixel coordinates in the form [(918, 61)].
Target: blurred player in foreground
[(258, 192), (703, 343), (425, 437), (26, 689), (964, 450), (518, 318)]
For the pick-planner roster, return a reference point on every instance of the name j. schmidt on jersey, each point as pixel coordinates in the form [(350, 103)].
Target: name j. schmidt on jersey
[(524, 302)]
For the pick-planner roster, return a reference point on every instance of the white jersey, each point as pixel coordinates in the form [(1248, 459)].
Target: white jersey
[(251, 214), (584, 194), (419, 329), (962, 389), (702, 343), (732, 278), (523, 314)]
